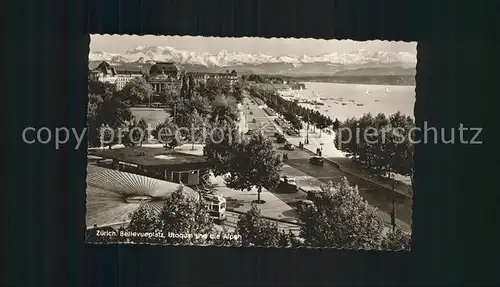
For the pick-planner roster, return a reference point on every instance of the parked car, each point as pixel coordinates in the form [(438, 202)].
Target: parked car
[(280, 139), (304, 204), (289, 146), (312, 194), (316, 160), (287, 184)]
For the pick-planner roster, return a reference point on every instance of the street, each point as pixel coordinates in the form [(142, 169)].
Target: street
[(375, 195), (232, 222)]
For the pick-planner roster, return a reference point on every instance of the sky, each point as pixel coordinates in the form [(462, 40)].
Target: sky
[(274, 47)]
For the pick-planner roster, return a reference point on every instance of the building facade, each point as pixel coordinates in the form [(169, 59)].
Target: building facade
[(104, 73), (162, 76), (231, 77), (125, 76), (165, 76)]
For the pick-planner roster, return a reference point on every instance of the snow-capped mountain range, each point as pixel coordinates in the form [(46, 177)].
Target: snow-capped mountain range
[(152, 54)]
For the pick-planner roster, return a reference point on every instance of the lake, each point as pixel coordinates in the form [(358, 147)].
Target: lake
[(387, 99)]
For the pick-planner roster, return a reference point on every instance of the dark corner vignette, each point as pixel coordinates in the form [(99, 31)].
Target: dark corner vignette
[(186, 115)]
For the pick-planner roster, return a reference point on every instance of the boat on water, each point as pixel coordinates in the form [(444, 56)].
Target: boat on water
[(367, 92), (344, 104), (360, 105), (386, 90), (376, 100)]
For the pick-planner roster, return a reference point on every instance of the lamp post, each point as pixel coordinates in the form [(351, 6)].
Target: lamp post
[(307, 129), (393, 214)]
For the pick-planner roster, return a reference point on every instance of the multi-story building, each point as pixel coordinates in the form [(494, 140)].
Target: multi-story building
[(165, 76), (231, 77), (125, 76), (104, 73), (109, 74)]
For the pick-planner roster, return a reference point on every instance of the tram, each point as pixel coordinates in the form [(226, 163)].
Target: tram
[(216, 205)]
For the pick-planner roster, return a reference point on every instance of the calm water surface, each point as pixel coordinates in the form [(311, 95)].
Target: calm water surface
[(385, 99)]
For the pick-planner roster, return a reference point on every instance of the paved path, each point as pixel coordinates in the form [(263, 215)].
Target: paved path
[(241, 201), (376, 195), (232, 223)]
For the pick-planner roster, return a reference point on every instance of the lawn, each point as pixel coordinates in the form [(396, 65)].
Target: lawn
[(151, 115), (146, 156)]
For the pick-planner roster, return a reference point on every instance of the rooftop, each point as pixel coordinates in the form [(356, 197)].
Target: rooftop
[(160, 67), (111, 194), (153, 157), (129, 71)]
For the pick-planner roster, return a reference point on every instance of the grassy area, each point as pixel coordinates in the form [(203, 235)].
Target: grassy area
[(151, 115), (357, 168), (146, 156)]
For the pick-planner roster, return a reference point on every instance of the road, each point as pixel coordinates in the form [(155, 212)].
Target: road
[(232, 223), (375, 195)]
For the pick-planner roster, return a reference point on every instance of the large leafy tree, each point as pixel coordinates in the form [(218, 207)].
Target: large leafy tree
[(138, 132), (341, 218), (397, 240), (224, 108), (145, 219), (219, 146), (106, 111), (197, 126), (137, 90), (257, 231), (253, 163), (184, 213), (165, 133), (402, 161), (100, 88), (180, 108)]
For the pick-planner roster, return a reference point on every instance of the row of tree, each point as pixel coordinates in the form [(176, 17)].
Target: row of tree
[(109, 119), (139, 91), (197, 107), (381, 144), (338, 218), (294, 113), (294, 85)]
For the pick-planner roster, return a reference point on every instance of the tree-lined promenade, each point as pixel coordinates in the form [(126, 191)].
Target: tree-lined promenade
[(294, 113), (339, 217), (381, 144)]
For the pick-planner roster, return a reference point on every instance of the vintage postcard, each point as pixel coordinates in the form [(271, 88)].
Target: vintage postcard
[(244, 142)]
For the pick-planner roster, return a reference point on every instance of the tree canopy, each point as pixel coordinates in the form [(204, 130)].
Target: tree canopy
[(341, 218), (109, 111), (382, 145), (137, 90), (252, 162)]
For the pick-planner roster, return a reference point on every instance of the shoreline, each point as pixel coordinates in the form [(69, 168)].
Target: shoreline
[(358, 84), (330, 150)]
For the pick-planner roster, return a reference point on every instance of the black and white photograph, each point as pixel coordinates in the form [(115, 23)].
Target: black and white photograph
[(250, 142)]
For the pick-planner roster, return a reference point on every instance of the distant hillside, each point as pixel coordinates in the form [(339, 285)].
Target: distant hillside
[(386, 74), (400, 80)]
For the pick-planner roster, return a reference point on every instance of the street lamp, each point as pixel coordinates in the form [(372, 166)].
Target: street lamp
[(393, 219), (307, 129)]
